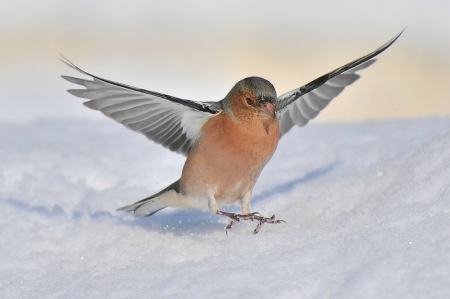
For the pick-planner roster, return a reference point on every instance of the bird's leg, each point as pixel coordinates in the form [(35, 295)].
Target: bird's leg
[(252, 216)]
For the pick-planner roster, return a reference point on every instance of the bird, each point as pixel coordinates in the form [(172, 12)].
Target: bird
[(227, 143)]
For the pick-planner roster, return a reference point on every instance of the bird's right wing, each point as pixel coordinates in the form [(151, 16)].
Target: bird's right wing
[(300, 105), (172, 122)]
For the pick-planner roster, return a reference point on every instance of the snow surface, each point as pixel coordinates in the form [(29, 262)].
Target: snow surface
[(367, 208)]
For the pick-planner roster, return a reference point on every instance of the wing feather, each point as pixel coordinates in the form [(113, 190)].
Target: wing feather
[(300, 105), (172, 122)]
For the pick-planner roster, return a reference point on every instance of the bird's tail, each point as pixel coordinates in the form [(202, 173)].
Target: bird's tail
[(150, 205)]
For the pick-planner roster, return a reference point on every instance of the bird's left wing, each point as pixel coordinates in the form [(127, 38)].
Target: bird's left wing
[(300, 105), (172, 122)]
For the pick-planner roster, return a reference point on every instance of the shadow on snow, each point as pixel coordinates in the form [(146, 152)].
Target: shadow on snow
[(171, 220)]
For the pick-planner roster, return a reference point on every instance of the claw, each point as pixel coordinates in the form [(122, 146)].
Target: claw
[(253, 216), (229, 226), (258, 227)]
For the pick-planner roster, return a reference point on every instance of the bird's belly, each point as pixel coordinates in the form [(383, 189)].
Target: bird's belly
[(227, 162), (226, 178)]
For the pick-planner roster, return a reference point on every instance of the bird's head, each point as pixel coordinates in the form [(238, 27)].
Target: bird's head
[(250, 99)]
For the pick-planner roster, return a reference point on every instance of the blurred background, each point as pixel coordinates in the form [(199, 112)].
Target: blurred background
[(199, 49)]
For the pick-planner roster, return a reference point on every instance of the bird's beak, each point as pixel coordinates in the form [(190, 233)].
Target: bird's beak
[(267, 111), (267, 114)]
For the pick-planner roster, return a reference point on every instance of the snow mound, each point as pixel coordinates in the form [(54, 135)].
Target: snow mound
[(367, 208)]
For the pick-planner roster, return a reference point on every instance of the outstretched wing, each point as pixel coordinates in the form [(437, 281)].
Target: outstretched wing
[(172, 122), (300, 105)]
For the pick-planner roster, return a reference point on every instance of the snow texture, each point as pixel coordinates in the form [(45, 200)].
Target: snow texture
[(367, 208)]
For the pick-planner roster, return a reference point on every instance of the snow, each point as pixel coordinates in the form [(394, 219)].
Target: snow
[(366, 204)]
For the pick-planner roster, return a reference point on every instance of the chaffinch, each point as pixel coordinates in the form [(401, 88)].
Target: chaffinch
[(227, 143)]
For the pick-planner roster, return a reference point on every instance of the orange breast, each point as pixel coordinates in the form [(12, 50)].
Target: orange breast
[(228, 158)]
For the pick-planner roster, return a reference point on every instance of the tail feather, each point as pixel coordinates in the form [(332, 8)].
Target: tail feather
[(150, 205)]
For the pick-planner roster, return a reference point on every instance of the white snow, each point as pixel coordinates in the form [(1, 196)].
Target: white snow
[(367, 207)]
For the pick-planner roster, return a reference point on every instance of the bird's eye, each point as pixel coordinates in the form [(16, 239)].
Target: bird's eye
[(250, 101)]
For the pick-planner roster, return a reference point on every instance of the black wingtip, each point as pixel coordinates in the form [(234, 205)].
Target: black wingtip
[(70, 64), (66, 61), (321, 80), (393, 39)]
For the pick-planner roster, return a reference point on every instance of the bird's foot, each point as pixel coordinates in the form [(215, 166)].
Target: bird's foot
[(253, 216)]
